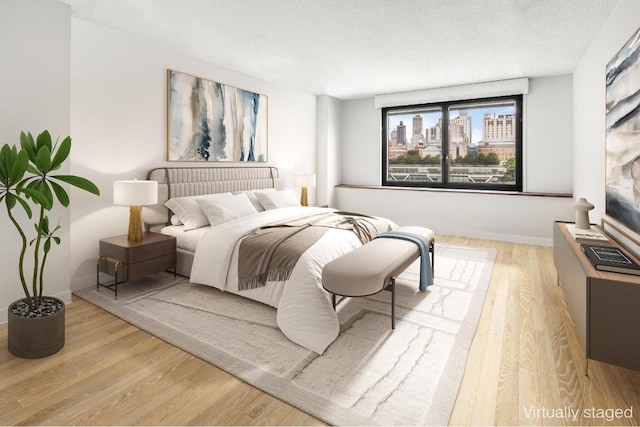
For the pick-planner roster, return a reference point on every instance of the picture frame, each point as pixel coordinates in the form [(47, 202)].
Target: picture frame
[(622, 140), (208, 121)]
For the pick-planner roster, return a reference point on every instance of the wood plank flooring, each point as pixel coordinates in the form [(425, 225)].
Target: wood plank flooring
[(525, 367)]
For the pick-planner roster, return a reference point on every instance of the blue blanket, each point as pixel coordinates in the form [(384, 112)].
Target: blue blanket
[(426, 275)]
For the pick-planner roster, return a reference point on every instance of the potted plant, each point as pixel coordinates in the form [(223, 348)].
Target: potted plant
[(28, 180)]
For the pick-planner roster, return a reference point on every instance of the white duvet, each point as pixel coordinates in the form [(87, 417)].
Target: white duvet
[(305, 314)]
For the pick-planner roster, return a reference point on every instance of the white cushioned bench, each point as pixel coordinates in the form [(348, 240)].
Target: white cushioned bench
[(374, 266)]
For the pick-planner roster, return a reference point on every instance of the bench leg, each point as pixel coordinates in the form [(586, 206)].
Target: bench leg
[(391, 287), (393, 303), (335, 301), (432, 249)]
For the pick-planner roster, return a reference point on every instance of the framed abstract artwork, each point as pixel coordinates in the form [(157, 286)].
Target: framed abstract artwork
[(622, 158), (214, 122)]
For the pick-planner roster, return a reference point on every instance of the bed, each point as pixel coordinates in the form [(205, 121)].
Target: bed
[(237, 202)]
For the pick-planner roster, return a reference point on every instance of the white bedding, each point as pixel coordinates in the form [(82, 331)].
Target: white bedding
[(305, 314), (185, 239)]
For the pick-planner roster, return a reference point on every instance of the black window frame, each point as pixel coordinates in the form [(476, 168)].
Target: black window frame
[(444, 160)]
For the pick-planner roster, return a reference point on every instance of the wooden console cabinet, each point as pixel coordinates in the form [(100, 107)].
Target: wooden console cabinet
[(605, 307)]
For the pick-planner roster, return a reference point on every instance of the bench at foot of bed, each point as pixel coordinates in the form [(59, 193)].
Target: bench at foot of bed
[(374, 266)]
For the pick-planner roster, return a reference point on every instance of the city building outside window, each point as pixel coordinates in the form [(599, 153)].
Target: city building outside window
[(472, 144)]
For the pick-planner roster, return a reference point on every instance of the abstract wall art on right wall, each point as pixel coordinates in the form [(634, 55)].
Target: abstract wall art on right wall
[(622, 160)]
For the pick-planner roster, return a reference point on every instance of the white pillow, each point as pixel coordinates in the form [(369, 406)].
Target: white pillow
[(175, 220), (253, 198), (189, 212), (277, 199), (225, 209)]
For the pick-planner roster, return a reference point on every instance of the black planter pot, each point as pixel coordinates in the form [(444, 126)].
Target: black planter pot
[(35, 337)]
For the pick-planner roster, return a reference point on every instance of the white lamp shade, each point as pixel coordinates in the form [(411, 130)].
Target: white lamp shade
[(304, 180), (135, 192)]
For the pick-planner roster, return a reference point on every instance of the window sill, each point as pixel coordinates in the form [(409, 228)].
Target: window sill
[(455, 190)]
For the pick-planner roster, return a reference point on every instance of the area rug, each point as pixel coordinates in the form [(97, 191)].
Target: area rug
[(369, 375)]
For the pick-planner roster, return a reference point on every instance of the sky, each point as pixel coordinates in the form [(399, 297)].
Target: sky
[(430, 119)]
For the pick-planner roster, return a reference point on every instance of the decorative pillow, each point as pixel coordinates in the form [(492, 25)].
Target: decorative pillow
[(277, 199), (225, 209), (253, 198), (175, 220), (189, 212)]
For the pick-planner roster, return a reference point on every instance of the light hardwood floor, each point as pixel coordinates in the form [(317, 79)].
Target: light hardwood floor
[(525, 367)]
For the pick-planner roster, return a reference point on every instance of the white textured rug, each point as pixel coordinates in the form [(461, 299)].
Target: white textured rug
[(369, 375)]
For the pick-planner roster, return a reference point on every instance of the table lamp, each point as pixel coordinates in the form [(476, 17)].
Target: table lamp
[(304, 181), (135, 193)]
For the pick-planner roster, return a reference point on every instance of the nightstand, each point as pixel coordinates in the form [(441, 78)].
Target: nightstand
[(125, 260)]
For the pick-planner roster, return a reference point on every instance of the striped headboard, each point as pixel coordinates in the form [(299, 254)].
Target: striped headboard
[(182, 182)]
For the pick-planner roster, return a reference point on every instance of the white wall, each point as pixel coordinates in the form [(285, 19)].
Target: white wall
[(548, 168), (361, 143), (329, 126), (524, 219), (34, 83), (589, 103), (549, 135), (118, 118)]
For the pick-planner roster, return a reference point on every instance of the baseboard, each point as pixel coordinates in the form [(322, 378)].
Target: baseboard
[(83, 282), (64, 296), (514, 238)]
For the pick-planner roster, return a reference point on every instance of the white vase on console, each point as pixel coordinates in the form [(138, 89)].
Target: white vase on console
[(582, 208)]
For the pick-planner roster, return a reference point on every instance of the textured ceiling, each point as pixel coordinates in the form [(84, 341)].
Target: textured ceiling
[(358, 48)]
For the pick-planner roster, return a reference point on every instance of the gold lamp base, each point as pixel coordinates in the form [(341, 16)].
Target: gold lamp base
[(135, 224), (303, 197)]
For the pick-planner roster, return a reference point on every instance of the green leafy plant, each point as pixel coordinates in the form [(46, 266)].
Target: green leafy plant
[(28, 179)]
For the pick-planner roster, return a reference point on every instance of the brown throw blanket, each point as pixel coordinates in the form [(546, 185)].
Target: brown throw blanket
[(271, 253)]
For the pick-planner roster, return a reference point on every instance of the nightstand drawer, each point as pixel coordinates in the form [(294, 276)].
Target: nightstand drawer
[(153, 246), (137, 270)]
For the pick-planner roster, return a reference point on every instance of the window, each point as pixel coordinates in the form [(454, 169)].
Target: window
[(474, 144)]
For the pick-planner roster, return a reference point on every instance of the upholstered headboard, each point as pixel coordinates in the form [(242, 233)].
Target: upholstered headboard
[(182, 182)]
